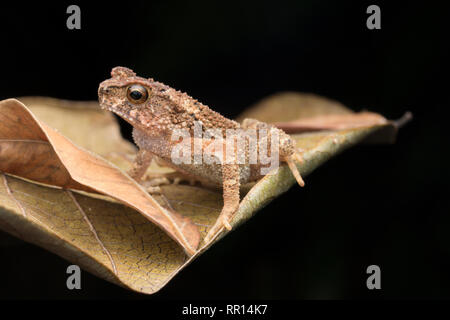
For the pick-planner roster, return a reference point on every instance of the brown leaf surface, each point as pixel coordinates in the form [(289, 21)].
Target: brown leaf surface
[(288, 106), (113, 239), (296, 112), (77, 119), (332, 122), (33, 150)]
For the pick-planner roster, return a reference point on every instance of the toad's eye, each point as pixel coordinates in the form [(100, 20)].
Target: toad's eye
[(137, 93)]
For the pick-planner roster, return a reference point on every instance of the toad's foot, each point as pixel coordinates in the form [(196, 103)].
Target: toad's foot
[(224, 221), (290, 160)]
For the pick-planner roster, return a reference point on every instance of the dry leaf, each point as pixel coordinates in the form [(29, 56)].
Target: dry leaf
[(297, 112), (33, 150), (332, 122), (107, 237)]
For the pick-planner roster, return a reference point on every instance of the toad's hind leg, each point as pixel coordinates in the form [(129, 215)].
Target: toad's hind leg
[(230, 176), (287, 150), (290, 160), (289, 154)]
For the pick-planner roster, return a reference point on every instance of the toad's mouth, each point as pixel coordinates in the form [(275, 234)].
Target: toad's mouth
[(129, 114), (115, 109)]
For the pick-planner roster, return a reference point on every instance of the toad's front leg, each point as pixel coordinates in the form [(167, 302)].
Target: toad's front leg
[(139, 169), (140, 164), (230, 176)]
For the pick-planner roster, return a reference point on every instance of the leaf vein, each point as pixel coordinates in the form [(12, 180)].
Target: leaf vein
[(11, 195), (108, 254)]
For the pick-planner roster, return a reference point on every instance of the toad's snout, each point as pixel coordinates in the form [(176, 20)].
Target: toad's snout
[(103, 88)]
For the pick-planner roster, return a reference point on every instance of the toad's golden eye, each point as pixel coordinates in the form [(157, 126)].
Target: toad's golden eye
[(137, 93)]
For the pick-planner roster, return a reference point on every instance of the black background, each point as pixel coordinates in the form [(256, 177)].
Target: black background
[(385, 205)]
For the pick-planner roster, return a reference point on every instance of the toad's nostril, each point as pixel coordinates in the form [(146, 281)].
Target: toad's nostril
[(103, 90)]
